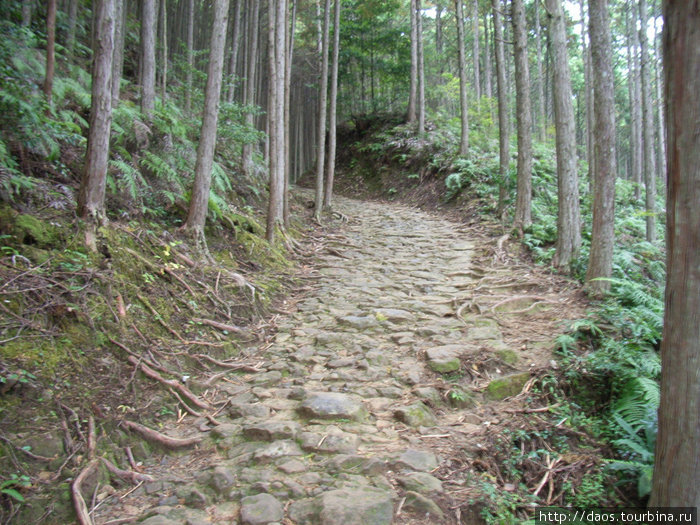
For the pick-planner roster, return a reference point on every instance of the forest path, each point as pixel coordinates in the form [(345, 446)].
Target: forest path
[(380, 388)]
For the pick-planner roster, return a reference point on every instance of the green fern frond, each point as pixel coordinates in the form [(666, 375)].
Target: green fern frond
[(159, 167)]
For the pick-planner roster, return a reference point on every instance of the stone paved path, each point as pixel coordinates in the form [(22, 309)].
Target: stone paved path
[(348, 419)]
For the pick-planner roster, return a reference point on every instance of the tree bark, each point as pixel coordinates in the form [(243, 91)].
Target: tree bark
[(413, 89), (488, 73), (287, 115), (647, 128), (541, 118), (27, 13), (251, 62), (148, 56), (50, 50), (330, 164), (199, 202), (475, 49), (235, 44), (603, 232), (72, 25), (92, 185), (463, 103), (322, 112), (421, 69), (635, 104), (677, 460), (277, 52), (118, 54), (190, 55), (569, 215), (164, 48), (503, 111), (661, 130), (523, 204)]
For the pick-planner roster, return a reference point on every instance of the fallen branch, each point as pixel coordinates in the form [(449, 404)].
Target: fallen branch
[(161, 439), (126, 475), (232, 366), (175, 385), (81, 509)]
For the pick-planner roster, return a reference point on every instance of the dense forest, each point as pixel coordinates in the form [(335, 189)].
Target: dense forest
[(170, 169)]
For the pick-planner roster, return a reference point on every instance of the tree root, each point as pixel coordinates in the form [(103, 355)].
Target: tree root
[(175, 385), (126, 475), (81, 510), (161, 439), (537, 298), (231, 366), (158, 317), (220, 326)]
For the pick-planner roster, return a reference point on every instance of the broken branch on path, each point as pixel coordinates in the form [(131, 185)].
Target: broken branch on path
[(160, 439), (232, 366), (182, 389), (220, 326)]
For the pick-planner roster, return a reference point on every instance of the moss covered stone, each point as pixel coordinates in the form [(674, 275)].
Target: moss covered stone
[(30, 230), (508, 356), (506, 386)]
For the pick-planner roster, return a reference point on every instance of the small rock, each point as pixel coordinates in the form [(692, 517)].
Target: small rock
[(268, 378), (334, 442), (393, 314), (416, 460), (271, 430), (221, 480), (258, 410), (360, 323), (330, 405), (276, 450), (261, 509), (225, 430), (444, 359), (422, 504), (428, 393), (293, 466), (421, 482)]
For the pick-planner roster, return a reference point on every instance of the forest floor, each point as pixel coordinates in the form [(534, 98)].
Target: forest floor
[(414, 346)]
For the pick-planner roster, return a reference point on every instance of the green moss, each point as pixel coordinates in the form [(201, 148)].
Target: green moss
[(506, 386), (30, 230), (444, 366), (508, 356)]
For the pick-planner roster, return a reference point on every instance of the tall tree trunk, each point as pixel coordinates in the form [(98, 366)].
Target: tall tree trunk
[(413, 89), (488, 88), (72, 25), (503, 120), (251, 62), (190, 55), (541, 119), (27, 12), (677, 460), (603, 232), (50, 50), (438, 33), (635, 104), (148, 56), (164, 48), (287, 110), (421, 69), (330, 165), (661, 130), (463, 103), (118, 58), (199, 202), (637, 108), (92, 185), (235, 44), (322, 112), (523, 204), (647, 127), (589, 97), (475, 48), (569, 216), (278, 18)]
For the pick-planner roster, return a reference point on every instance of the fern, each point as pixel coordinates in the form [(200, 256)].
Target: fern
[(639, 396), (129, 179), (159, 167)]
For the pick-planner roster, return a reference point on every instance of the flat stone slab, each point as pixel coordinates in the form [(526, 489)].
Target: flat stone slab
[(444, 359), (261, 509), (418, 460), (421, 482), (332, 405), (507, 386), (334, 442), (394, 315), (271, 430), (277, 449), (415, 415), (357, 506), (359, 322)]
